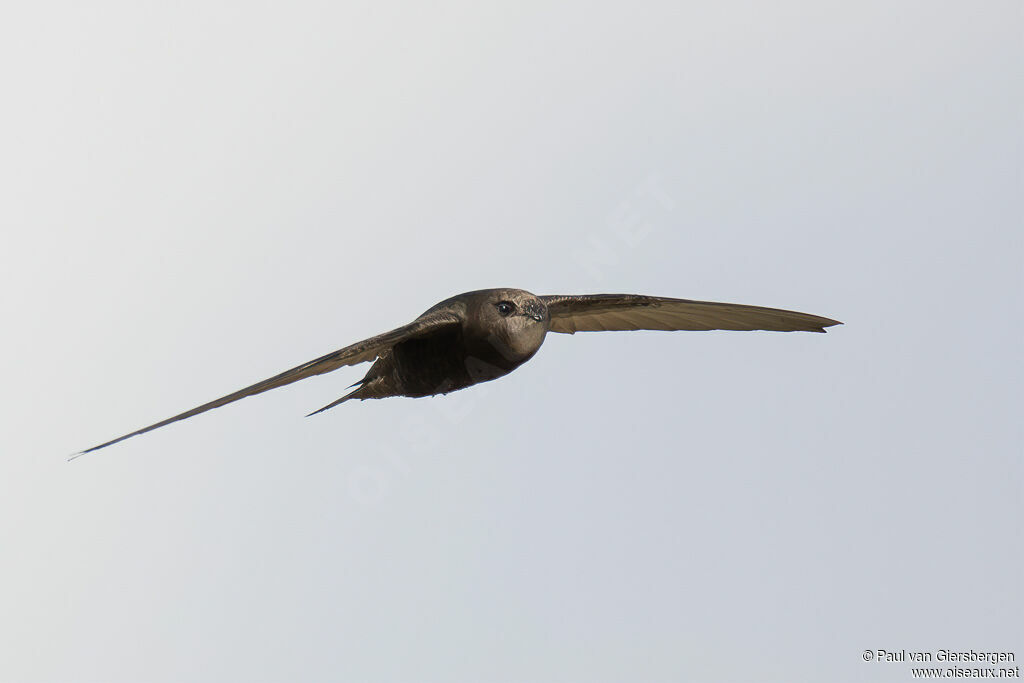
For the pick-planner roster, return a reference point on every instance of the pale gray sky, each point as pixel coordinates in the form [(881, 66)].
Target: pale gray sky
[(199, 195)]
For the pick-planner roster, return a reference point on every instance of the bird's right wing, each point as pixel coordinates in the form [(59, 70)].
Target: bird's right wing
[(366, 350), (601, 312)]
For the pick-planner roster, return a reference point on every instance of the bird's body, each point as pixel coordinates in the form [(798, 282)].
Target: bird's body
[(485, 334), (482, 346)]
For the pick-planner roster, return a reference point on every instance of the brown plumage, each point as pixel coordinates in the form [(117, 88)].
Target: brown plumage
[(482, 335)]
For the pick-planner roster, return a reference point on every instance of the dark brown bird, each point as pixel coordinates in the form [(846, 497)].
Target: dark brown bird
[(482, 335)]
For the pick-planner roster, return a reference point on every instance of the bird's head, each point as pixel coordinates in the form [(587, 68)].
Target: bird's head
[(513, 321)]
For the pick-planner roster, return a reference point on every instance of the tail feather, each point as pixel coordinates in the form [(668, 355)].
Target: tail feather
[(375, 387), (351, 394)]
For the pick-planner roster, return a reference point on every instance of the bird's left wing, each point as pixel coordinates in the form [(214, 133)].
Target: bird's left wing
[(366, 350), (601, 312)]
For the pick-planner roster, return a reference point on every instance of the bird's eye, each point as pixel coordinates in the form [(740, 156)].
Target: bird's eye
[(505, 307)]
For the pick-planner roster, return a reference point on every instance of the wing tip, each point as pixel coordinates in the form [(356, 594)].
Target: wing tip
[(79, 454)]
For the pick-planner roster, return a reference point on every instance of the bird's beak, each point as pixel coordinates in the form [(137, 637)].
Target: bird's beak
[(534, 310)]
